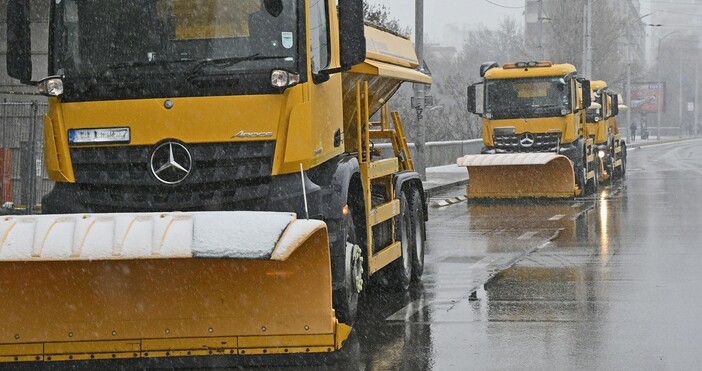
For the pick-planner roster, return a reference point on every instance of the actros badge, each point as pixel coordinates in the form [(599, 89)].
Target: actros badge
[(171, 162)]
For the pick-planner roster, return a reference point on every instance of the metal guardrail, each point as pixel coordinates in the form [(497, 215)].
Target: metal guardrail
[(23, 179), (439, 153)]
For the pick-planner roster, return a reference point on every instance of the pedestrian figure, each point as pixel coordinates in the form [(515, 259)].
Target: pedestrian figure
[(632, 128)]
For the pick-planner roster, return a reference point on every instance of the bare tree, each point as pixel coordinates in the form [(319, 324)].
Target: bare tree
[(563, 33), (379, 15)]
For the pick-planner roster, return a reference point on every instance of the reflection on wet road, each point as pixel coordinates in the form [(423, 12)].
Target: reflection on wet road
[(609, 282)]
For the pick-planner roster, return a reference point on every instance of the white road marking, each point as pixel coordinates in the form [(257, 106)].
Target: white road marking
[(412, 308), (557, 217), (527, 235)]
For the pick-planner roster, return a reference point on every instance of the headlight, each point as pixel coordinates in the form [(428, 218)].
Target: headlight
[(283, 79), (51, 86), (601, 154)]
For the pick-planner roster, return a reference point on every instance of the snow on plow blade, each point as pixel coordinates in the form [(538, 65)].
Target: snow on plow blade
[(159, 285), (514, 175)]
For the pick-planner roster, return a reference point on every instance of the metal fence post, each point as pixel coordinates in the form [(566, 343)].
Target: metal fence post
[(32, 166), (4, 150)]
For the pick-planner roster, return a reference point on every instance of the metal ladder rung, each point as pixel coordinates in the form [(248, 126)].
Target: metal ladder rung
[(384, 212)]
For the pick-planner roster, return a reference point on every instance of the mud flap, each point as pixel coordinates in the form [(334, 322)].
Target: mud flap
[(519, 175), (161, 285)]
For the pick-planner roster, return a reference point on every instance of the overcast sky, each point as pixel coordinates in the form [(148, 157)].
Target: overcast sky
[(445, 18)]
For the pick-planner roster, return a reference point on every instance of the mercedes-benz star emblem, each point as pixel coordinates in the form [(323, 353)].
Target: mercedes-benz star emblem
[(527, 140), (171, 163)]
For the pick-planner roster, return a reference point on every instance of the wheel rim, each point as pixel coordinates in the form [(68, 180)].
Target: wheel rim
[(355, 259), (356, 268)]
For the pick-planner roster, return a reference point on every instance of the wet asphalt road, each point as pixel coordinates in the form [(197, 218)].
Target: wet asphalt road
[(611, 281)]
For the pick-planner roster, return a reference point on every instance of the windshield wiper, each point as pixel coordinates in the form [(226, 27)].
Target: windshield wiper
[(222, 63), (122, 65), (547, 106)]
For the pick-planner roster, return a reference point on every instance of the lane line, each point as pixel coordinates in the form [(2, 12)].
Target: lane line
[(556, 217), (527, 235), (412, 308)]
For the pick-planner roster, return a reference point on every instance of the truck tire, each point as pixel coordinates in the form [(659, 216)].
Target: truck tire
[(417, 207), (611, 169), (580, 176), (620, 171), (592, 185), (346, 299), (400, 271)]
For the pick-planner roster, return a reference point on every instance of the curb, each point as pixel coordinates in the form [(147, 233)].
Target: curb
[(662, 142), (428, 191)]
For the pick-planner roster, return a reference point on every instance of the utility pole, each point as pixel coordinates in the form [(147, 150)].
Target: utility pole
[(697, 95), (660, 85), (628, 92), (419, 92), (680, 98), (588, 40), (540, 4)]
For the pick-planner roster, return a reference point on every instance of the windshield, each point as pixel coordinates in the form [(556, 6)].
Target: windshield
[(593, 115), (527, 98), (190, 44)]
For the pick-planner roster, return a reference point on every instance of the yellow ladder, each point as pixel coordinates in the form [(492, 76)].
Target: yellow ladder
[(380, 173)]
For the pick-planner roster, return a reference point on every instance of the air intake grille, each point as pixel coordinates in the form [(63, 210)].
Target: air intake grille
[(224, 176)]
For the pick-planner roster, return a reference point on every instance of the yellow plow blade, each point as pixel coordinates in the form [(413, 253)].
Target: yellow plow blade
[(515, 175), (159, 285)]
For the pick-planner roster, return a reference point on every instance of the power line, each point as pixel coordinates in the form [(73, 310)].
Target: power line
[(504, 6)]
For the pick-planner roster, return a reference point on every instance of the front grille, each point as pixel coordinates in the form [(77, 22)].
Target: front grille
[(224, 176), (541, 142)]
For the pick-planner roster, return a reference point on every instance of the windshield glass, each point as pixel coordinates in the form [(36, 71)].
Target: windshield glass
[(593, 115), (140, 41), (527, 98)]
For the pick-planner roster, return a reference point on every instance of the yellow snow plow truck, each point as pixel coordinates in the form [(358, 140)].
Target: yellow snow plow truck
[(603, 129), (216, 189), (534, 133)]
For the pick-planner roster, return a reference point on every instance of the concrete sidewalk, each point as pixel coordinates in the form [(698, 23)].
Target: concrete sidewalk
[(440, 178)]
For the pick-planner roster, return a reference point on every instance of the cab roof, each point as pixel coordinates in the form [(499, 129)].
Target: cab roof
[(525, 72)]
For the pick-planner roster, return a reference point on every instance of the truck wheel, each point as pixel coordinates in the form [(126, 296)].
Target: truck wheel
[(607, 164), (580, 176), (417, 208), (401, 269), (591, 185), (620, 171), (346, 299)]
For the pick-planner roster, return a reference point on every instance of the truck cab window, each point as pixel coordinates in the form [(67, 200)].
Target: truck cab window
[(319, 35)]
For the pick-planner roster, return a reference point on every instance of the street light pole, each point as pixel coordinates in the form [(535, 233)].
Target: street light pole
[(658, 98), (419, 92), (680, 100)]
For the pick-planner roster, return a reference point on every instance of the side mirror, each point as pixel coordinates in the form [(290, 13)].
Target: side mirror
[(475, 99), (587, 99), (19, 41), (352, 37), (487, 66), (615, 104)]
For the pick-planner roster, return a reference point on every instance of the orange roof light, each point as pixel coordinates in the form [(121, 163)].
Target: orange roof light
[(508, 66)]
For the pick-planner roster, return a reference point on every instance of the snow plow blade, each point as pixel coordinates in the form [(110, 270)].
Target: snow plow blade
[(516, 175), (105, 286)]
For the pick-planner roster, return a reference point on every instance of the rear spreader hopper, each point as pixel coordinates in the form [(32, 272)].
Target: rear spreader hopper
[(106, 286)]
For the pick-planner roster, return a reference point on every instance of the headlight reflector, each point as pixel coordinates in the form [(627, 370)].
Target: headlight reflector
[(51, 86), (283, 79)]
